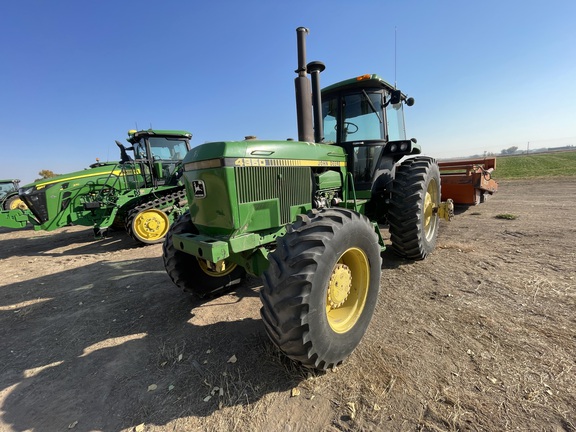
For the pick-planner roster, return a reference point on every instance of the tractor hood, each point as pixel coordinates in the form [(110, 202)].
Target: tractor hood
[(104, 168), (263, 153)]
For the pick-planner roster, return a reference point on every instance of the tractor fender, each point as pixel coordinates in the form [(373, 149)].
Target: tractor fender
[(386, 172)]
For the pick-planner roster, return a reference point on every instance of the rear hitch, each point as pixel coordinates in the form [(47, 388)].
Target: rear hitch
[(446, 210)]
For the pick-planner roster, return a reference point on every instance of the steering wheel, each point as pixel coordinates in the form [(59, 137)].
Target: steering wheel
[(347, 126)]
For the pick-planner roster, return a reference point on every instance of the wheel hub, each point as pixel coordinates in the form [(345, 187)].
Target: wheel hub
[(152, 224), (431, 202), (339, 285), (221, 268), (18, 204)]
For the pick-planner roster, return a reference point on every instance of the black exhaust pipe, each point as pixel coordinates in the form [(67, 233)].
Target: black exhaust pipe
[(303, 94), (314, 68)]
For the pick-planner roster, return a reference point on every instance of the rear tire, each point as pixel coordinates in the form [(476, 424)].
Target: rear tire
[(413, 215), (192, 274), (321, 287)]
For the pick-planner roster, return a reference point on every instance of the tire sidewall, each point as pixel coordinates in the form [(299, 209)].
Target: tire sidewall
[(332, 346)]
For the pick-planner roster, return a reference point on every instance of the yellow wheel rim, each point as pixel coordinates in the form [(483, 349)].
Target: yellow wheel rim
[(151, 225), (347, 290), (219, 269), (430, 205), (17, 204)]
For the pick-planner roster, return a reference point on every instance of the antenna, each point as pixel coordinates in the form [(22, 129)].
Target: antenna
[(395, 57)]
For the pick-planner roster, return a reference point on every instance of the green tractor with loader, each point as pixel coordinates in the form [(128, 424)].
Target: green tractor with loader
[(142, 194), (306, 215)]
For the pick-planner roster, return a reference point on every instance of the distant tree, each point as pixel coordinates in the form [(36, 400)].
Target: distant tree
[(45, 174), (509, 150)]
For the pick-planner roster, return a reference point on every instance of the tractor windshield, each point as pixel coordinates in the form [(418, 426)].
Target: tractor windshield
[(167, 149), (6, 188), (167, 153), (160, 157), (361, 117), (161, 149)]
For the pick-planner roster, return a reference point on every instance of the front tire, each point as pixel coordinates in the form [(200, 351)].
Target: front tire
[(193, 274), (149, 222), (321, 287), (14, 203), (413, 215), (148, 225)]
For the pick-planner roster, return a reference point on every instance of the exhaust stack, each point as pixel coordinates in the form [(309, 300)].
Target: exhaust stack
[(303, 94), (314, 68)]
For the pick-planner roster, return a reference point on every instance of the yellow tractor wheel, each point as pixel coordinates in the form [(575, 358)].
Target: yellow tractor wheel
[(431, 203), (15, 203), (150, 226), (321, 287), (347, 290)]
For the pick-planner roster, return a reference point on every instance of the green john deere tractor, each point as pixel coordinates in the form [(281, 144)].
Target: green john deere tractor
[(305, 214), (143, 194), (9, 199)]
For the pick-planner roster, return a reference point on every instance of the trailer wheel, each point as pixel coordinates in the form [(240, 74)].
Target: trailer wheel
[(195, 275), (321, 287), (413, 214), (149, 225)]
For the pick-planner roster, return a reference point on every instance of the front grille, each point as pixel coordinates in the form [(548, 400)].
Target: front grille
[(291, 185)]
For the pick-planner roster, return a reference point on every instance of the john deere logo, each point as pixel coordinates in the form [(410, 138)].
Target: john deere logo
[(199, 189)]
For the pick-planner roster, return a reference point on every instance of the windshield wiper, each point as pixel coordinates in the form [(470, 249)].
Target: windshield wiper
[(371, 105)]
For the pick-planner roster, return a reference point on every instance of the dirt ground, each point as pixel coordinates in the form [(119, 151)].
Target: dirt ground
[(480, 336)]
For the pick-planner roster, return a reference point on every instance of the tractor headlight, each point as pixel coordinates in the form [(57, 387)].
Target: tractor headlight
[(404, 146), (393, 148)]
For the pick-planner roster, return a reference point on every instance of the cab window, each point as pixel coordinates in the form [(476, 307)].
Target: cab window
[(395, 122)]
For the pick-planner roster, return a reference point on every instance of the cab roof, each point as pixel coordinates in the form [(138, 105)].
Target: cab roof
[(134, 135), (362, 81)]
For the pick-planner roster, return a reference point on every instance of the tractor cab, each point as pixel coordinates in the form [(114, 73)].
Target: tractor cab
[(365, 116), (7, 187), (160, 154), (9, 199)]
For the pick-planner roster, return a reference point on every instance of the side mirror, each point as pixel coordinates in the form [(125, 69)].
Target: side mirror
[(395, 97)]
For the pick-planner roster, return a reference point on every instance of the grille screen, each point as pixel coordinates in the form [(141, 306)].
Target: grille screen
[(291, 185)]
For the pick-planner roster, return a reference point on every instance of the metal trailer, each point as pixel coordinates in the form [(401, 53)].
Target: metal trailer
[(468, 182)]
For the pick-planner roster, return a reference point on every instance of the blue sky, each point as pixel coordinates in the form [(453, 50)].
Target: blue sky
[(77, 75)]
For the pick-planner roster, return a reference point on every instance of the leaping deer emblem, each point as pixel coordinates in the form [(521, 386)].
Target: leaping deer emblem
[(199, 191)]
